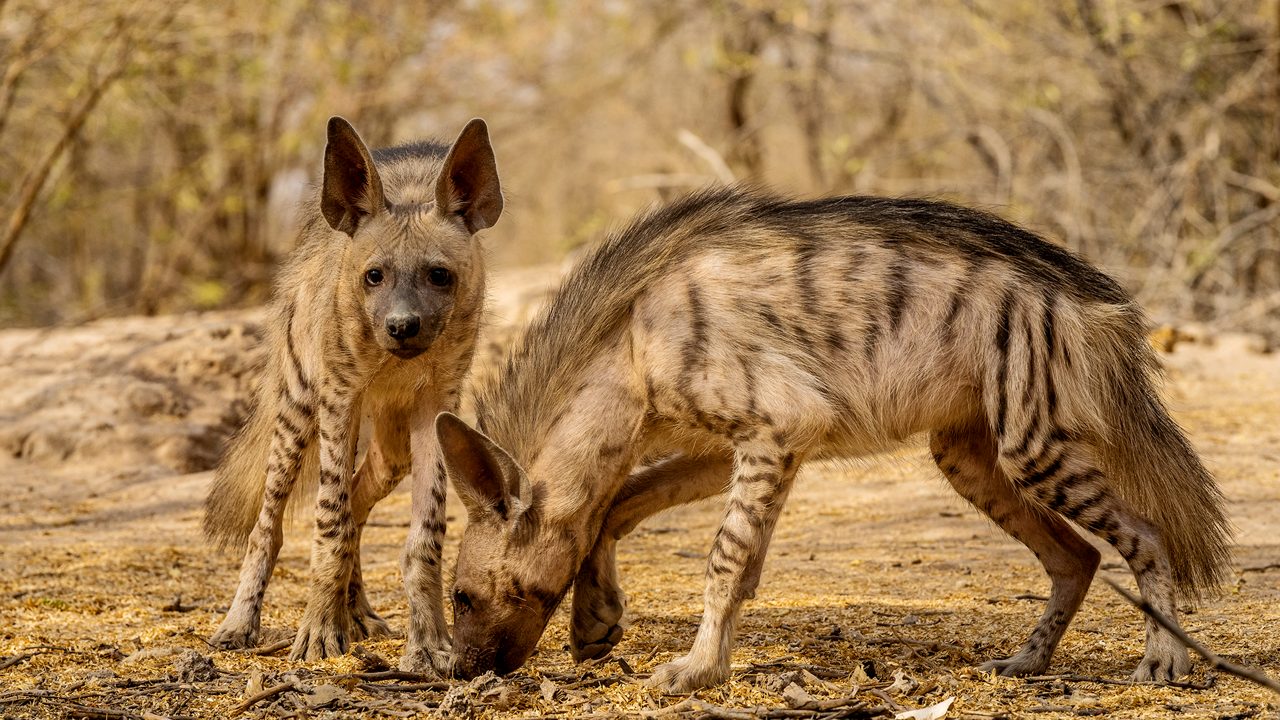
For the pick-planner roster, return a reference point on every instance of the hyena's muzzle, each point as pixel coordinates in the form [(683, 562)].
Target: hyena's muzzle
[(414, 319), (478, 649)]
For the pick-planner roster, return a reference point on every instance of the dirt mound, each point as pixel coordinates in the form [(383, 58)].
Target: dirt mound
[(151, 394)]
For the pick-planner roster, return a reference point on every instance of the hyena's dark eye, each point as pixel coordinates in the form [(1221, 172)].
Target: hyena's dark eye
[(440, 277), (461, 600), (373, 276)]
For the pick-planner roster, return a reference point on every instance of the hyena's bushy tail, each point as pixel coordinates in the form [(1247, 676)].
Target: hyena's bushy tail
[(1146, 454), (236, 494)]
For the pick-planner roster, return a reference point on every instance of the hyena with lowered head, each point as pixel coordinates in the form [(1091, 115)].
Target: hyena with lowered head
[(741, 334), (375, 317)]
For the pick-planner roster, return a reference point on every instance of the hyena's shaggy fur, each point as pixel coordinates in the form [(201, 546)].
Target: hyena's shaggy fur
[(743, 334), (346, 344)]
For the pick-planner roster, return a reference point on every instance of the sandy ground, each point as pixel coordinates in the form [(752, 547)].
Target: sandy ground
[(881, 582)]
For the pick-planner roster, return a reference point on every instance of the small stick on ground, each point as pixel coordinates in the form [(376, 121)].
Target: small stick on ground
[(271, 649), (264, 695), (1070, 677), (76, 710), (11, 661), (406, 687), (390, 675), (1253, 675)]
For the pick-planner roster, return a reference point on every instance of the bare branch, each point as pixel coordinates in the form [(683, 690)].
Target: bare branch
[(1253, 675), (36, 178)]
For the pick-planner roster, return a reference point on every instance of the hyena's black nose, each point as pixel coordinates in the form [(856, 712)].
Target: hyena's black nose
[(403, 327)]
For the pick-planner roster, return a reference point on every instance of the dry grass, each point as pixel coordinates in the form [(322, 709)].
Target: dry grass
[(880, 583)]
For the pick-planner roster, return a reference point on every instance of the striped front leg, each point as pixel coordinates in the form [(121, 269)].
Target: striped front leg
[(762, 479), (294, 430), (428, 647), (326, 627), (598, 600)]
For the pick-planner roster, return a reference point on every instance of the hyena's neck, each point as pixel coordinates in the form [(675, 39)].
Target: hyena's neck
[(582, 443)]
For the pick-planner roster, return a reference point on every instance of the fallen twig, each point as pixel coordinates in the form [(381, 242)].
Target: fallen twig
[(406, 687), (388, 675), (1253, 675), (271, 649), (1069, 709), (819, 671), (76, 710), (925, 644), (264, 695), (11, 661), (1034, 679)]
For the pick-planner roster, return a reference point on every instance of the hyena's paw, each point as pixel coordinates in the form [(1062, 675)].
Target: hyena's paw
[(597, 621), (365, 623), (235, 633), (1029, 661), (1166, 660), (683, 675), (323, 632), (434, 661), (606, 639)]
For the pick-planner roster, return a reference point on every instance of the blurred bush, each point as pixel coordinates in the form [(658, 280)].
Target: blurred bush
[(152, 152)]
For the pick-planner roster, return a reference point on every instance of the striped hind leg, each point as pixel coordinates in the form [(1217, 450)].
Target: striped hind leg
[(1064, 477), (1056, 467), (968, 460), (598, 600)]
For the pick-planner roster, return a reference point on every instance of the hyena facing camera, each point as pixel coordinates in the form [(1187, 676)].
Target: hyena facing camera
[(738, 335), (375, 317)]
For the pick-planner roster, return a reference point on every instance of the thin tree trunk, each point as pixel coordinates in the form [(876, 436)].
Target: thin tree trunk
[(35, 180)]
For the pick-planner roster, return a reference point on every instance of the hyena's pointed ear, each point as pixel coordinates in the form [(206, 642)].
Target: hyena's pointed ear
[(483, 473), (352, 190), (468, 185)]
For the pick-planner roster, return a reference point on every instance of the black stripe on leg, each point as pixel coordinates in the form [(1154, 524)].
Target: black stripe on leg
[(1033, 479)]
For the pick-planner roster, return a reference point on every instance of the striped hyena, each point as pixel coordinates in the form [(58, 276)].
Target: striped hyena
[(737, 335), (375, 317)]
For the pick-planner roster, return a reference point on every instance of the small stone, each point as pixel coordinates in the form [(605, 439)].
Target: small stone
[(324, 696), (796, 696), (192, 667)]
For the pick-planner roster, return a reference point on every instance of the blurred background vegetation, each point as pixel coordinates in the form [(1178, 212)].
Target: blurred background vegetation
[(153, 152)]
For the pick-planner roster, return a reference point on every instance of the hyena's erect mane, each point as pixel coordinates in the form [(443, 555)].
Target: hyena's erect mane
[(517, 405), (1110, 370)]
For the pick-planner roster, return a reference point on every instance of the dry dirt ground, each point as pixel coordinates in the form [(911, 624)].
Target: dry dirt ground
[(882, 586)]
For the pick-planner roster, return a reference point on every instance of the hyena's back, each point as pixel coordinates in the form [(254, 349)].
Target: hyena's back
[(866, 320)]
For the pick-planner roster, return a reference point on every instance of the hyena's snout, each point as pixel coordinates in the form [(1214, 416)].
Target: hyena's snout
[(501, 660), (410, 333), (405, 326)]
